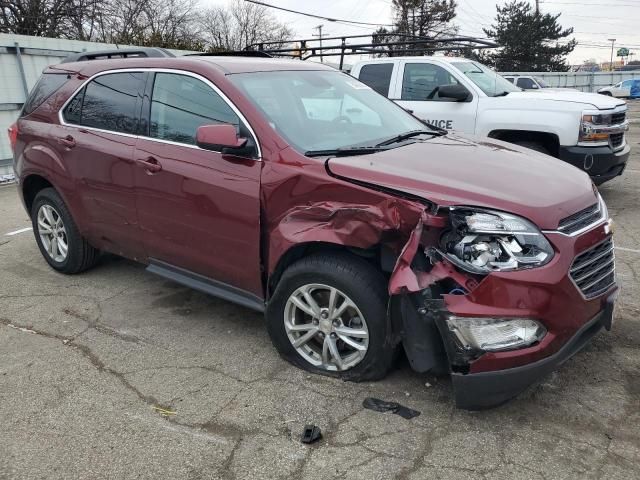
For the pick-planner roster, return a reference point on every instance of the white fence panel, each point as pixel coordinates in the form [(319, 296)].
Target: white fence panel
[(583, 81)]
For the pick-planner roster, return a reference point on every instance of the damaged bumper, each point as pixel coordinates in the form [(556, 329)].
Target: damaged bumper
[(476, 391), (554, 297)]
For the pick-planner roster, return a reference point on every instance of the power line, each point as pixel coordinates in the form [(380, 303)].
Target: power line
[(328, 19)]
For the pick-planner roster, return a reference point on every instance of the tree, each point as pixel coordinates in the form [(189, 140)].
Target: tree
[(430, 19), (48, 18), (239, 25), (529, 40), (153, 23)]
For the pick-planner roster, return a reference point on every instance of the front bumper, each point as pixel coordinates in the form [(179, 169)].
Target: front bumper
[(601, 163), (476, 391)]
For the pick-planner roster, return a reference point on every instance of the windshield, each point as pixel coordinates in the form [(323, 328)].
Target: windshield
[(541, 82), (324, 110), (489, 81)]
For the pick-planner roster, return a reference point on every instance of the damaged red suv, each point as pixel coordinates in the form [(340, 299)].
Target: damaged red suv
[(295, 190)]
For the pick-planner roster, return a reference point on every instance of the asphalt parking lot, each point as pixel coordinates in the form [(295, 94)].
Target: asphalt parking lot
[(117, 373)]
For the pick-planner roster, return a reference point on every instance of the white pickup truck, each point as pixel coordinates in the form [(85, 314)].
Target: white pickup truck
[(584, 129)]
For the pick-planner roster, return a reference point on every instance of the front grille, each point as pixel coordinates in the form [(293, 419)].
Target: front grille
[(616, 139), (594, 270), (618, 118), (580, 220)]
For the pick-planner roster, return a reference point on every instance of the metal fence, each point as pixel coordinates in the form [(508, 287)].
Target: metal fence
[(583, 81), (22, 59)]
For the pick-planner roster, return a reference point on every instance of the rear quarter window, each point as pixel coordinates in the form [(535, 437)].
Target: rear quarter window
[(48, 84), (377, 76)]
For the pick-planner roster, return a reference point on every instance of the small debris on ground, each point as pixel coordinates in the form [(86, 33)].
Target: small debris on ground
[(428, 385), (163, 411), (310, 434), (383, 406)]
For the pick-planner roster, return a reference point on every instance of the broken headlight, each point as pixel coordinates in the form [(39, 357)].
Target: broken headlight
[(486, 241)]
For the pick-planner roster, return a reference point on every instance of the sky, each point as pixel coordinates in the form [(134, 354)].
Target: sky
[(594, 21)]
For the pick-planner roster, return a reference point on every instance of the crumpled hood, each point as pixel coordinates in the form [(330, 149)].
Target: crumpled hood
[(595, 100), (455, 170)]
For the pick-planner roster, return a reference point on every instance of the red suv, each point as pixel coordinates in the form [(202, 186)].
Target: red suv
[(292, 188)]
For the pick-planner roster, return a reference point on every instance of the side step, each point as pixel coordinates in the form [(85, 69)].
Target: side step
[(206, 285)]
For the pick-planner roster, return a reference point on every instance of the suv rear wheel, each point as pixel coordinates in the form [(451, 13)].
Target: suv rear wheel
[(57, 235), (328, 315)]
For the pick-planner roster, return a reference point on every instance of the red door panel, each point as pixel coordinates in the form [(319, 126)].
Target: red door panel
[(200, 211)]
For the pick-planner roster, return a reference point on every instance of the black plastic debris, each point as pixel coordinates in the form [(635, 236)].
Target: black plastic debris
[(311, 434), (382, 406)]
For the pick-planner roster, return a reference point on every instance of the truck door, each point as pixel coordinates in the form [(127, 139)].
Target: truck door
[(417, 87)]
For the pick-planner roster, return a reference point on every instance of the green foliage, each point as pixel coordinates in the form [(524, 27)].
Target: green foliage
[(429, 19), (529, 40)]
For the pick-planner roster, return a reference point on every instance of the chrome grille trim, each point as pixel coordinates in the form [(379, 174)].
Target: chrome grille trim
[(593, 271), (585, 218)]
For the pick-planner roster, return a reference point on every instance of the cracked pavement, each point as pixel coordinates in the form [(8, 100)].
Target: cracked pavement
[(117, 373)]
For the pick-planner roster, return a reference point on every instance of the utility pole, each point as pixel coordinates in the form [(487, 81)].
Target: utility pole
[(613, 42), (319, 35), (537, 7)]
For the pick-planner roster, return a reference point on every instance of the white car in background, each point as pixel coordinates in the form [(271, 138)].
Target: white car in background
[(622, 89), (527, 82)]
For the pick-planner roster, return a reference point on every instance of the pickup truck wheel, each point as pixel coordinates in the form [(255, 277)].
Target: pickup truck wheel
[(533, 146), (57, 235), (328, 315)]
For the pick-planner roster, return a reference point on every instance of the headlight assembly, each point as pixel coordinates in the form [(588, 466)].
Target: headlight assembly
[(486, 241)]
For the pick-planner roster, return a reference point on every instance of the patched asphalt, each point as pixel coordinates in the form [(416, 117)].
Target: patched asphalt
[(117, 373)]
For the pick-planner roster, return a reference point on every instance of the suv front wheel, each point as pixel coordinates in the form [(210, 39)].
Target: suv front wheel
[(57, 235), (328, 315)]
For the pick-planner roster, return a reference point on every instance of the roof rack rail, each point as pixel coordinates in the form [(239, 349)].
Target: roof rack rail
[(392, 44), (138, 52), (237, 53)]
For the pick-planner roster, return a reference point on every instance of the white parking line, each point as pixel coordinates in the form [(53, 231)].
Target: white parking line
[(16, 232), (632, 250)]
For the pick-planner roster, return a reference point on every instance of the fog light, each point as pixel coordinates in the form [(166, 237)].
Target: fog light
[(495, 334)]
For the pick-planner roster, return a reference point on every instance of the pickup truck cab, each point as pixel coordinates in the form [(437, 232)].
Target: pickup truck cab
[(583, 129)]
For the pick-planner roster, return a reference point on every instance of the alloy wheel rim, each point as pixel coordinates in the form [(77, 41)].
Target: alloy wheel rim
[(326, 327), (53, 233)]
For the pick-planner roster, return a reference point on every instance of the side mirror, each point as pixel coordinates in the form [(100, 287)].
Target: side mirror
[(534, 86), (456, 91), (219, 137)]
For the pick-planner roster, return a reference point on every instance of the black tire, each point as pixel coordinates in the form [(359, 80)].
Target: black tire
[(80, 255), (607, 94), (538, 147), (364, 285)]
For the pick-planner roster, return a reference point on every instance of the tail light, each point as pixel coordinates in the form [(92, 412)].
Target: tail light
[(13, 136)]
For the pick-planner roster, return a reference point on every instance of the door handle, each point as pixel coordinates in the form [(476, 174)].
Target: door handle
[(67, 141), (150, 164)]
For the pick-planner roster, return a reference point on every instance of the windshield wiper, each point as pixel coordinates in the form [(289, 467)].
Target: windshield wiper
[(408, 135), (343, 152)]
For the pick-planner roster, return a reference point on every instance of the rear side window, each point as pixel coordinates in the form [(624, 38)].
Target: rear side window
[(48, 84), (526, 83), (109, 102), (377, 76), (180, 104)]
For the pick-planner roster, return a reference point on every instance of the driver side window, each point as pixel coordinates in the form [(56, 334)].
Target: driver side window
[(421, 80)]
